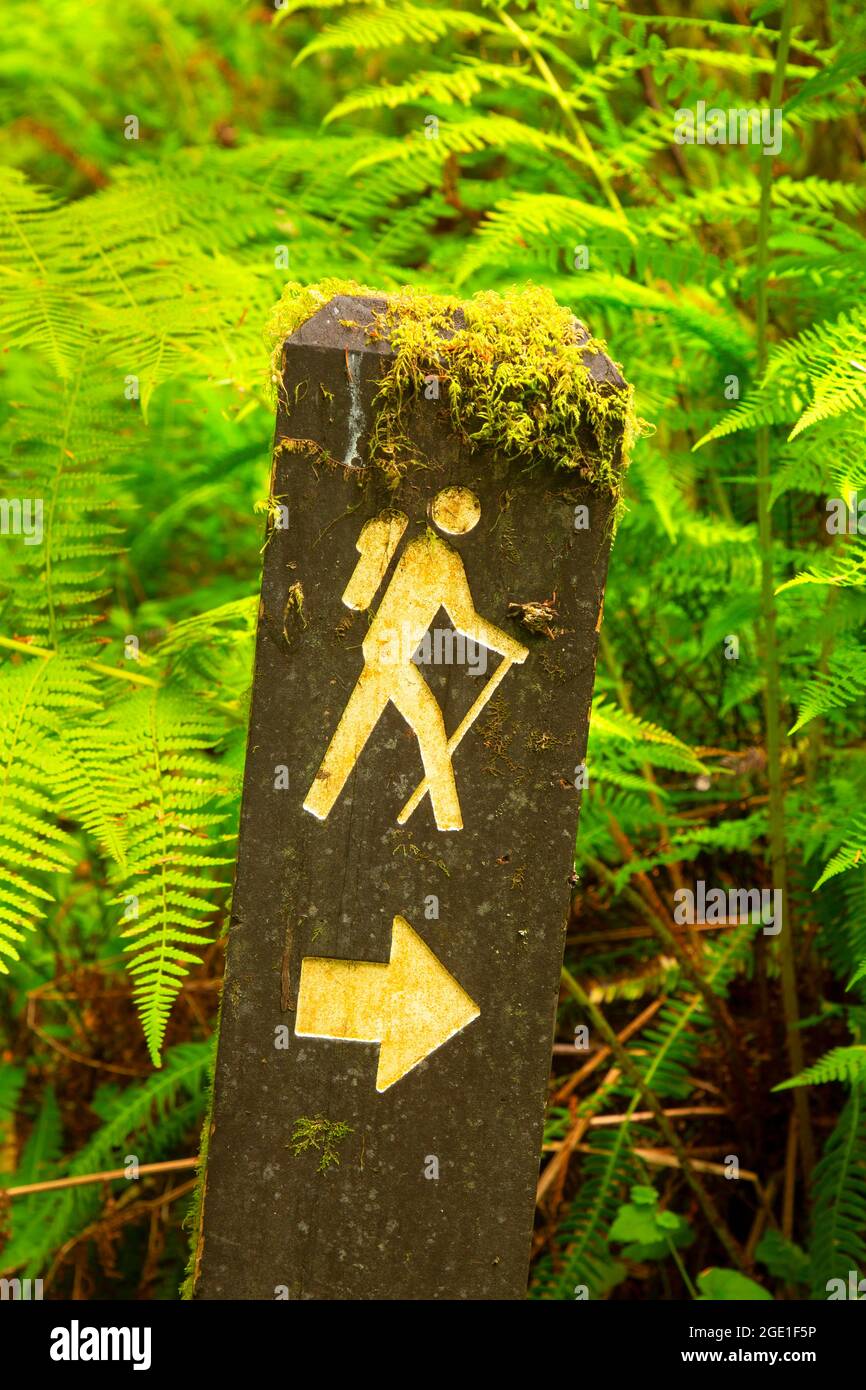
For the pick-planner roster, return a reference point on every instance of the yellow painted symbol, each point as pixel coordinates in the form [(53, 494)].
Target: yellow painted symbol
[(455, 510), (410, 1006), (429, 576)]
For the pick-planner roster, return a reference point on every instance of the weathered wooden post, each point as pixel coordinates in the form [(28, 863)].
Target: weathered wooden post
[(443, 491)]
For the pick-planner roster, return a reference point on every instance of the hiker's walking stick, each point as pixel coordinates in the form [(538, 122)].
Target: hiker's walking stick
[(466, 722)]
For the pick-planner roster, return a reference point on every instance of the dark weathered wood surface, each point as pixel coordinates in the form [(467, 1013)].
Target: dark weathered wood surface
[(375, 1226)]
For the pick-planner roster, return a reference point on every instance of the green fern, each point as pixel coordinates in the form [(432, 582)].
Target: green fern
[(838, 1244), (155, 1112), (841, 1064), (387, 26), (35, 701), (850, 854), (842, 684), (667, 1053), (173, 790)]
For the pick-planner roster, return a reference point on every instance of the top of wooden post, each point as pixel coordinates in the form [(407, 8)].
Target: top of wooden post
[(343, 323), (517, 373)]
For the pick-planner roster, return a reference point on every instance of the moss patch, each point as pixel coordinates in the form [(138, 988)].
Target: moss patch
[(297, 304), (513, 374), (194, 1218), (325, 1136)]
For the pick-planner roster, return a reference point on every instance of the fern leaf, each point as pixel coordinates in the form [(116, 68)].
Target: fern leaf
[(43, 1222), (840, 1064), (843, 568), (171, 787), (34, 699), (838, 1244), (387, 26), (842, 684)]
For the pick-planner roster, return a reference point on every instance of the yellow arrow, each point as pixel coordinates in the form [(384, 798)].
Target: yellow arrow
[(410, 1006)]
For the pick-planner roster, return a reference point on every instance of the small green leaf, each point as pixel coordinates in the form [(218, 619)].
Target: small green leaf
[(668, 1221), (783, 1258), (634, 1224), (729, 1286)]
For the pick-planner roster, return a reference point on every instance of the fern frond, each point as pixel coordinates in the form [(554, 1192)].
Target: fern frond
[(66, 444), (528, 218), (851, 853), (833, 358), (443, 88), (720, 28), (840, 1064), (36, 700), (838, 1242), (43, 1222), (38, 1162), (386, 26), (38, 304), (843, 682), (832, 78), (467, 135), (171, 859), (844, 567), (818, 194), (582, 1256), (611, 721)]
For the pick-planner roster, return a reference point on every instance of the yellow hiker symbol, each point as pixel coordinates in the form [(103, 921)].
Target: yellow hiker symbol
[(429, 576)]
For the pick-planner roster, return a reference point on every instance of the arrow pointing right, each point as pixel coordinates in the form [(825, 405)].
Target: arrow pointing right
[(410, 1006)]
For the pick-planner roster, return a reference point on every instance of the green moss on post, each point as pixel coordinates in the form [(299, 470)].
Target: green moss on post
[(194, 1216), (514, 369)]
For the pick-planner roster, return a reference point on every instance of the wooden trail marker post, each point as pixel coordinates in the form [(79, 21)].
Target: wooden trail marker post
[(406, 844)]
